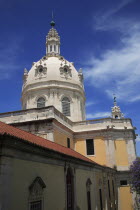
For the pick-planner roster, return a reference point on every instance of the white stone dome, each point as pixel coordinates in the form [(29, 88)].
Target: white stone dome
[(52, 79), (52, 69)]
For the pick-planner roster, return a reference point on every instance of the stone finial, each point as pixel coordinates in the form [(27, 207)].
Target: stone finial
[(80, 74), (25, 75), (116, 111)]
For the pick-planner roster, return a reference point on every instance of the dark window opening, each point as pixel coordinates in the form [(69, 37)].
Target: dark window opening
[(40, 70), (68, 142), (70, 190), (65, 70), (101, 203), (90, 146), (36, 205), (109, 189), (116, 116), (113, 188), (123, 182), (89, 200), (40, 102)]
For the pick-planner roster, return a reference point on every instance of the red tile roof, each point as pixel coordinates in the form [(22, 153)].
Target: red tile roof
[(31, 138)]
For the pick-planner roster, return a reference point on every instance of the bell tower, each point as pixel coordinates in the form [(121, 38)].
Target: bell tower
[(116, 111)]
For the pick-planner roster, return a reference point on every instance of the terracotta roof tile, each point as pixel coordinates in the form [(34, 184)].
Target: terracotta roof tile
[(16, 132)]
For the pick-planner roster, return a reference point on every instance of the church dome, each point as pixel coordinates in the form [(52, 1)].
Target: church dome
[(53, 78), (52, 69)]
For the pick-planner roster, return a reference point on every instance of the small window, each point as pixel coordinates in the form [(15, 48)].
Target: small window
[(54, 48), (70, 189), (101, 202), (88, 186), (113, 188), (41, 102), (109, 189), (90, 147), (123, 182), (66, 106), (50, 48), (68, 142), (36, 205), (65, 70)]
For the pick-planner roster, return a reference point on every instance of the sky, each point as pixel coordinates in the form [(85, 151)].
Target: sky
[(101, 37)]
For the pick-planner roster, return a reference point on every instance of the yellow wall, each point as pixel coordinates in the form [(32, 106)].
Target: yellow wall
[(99, 149), (121, 153), (61, 138), (125, 198)]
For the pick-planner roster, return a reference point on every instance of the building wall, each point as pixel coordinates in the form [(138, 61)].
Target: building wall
[(21, 174), (125, 198), (61, 138), (99, 149), (121, 153)]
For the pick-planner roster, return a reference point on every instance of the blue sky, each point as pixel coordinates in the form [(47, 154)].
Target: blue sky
[(101, 37)]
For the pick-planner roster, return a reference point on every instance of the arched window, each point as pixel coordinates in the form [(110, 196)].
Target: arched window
[(70, 190), (54, 48), (36, 194), (41, 102), (88, 186), (50, 48), (66, 106)]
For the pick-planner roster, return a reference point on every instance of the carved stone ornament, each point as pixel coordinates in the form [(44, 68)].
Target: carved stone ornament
[(80, 74), (40, 71), (88, 184), (65, 70), (36, 189), (25, 76)]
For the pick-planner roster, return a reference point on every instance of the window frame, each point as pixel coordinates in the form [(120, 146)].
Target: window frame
[(93, 148), (35, 201), (66, 106), (68, 142), (40, 103), (124, 180)]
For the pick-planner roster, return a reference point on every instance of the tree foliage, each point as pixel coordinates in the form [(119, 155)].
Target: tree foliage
[(135, 170)]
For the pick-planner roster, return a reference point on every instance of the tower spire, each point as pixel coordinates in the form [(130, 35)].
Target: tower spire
[(52, 40), (52, 23), (115, 101), (116, 111)]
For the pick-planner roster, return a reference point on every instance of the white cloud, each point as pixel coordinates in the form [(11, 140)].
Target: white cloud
[(98, 115), (118, 70), (105, 20), (9, 53), (90, 103), (138, 138)]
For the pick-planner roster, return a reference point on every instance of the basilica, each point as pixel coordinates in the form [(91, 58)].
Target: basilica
[(52, 158)]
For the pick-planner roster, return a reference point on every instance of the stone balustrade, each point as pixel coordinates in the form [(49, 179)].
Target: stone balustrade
[(50, 112)]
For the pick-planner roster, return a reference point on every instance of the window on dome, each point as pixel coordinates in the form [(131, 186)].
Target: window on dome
[(40, 70), (41, 102), (65, 70), (66, 106), (54, 48)]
